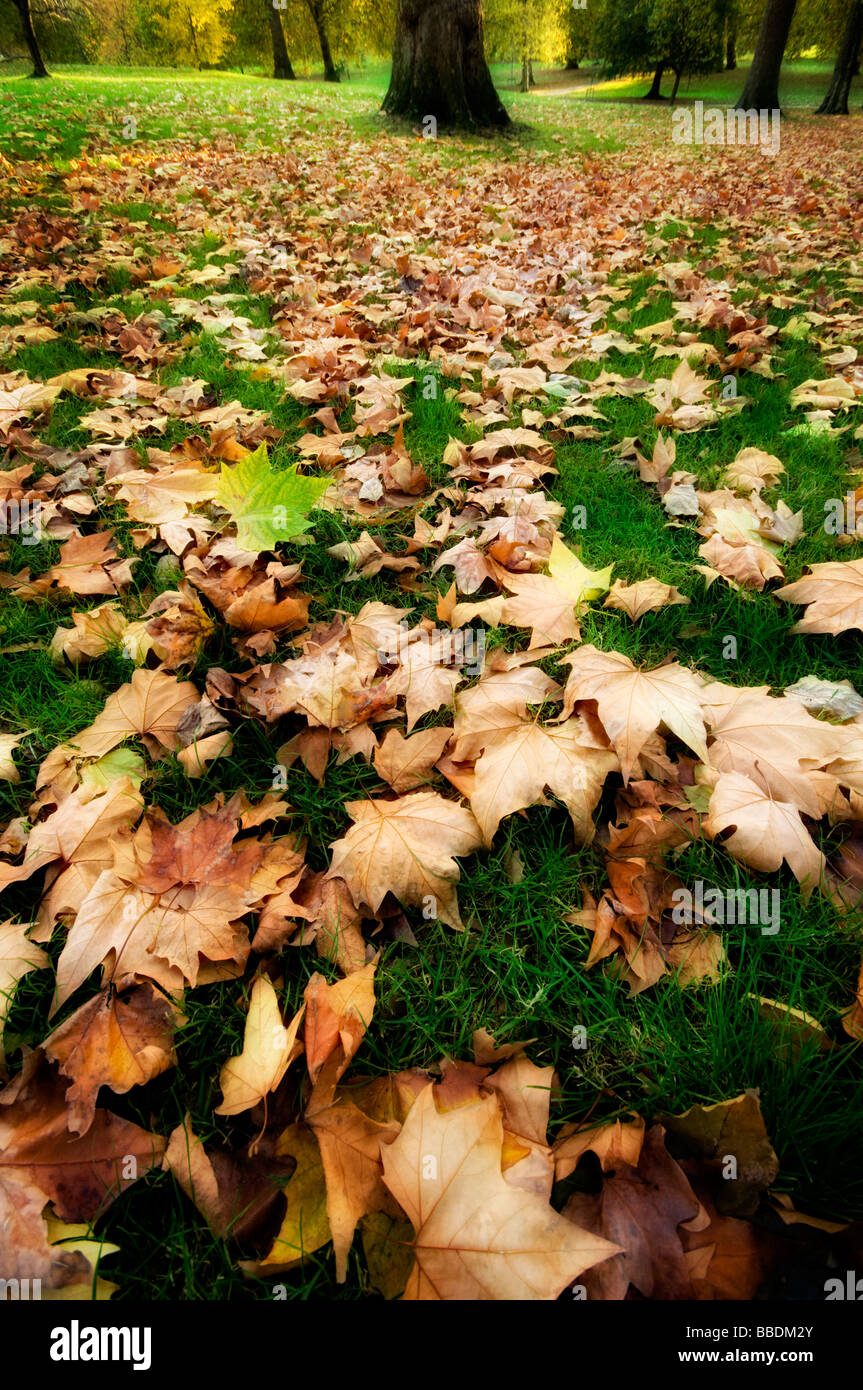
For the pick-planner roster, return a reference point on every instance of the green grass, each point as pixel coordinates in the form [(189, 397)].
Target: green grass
[(518, 969)]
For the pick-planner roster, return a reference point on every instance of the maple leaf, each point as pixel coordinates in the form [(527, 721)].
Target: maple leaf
[(350, 1144), (333, 922), (765, 831), (777, 743), (83, 1175), (834, 595), (640, 1209), (135, 933), (115, 1042), (633, 704), (577, 581), (407, 763), (202, 850), (733, 1128), (406, 847), (8, 744), (149, 706), (92, 634), (268, 1050), (750, 565), (269, 506), (521, 761), (478, 1237), (615, 1145), (337, 1017), (305, 1227), (550, 603), (425, 675), (754, 469), (235, 1193), (26, 1251), (79, 832), (496, 704), (524, 1091), (18, 956), (90, 565), (645, 596)]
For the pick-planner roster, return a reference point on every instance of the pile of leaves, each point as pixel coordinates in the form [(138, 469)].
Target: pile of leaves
[(447, 1171)]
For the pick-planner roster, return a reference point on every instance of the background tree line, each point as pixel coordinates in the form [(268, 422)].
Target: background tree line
[(666, 39)]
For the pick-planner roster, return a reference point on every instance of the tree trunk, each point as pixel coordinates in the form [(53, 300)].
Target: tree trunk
[(317, 13), (530, 77), (439, 66), (761, 90), (281, 62), (731, 51), (732, 20), (39, 68), (835, 102), (524, 85), (655, 93), (572, 64), (194, 37), (677, 77)]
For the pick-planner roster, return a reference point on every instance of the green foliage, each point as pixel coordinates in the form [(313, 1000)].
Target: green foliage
[(636, 36), (527, 29), (267, 506), (687, 34), (622, 38)]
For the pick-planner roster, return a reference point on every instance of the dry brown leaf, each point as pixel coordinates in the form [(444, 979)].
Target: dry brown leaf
[(765, 831), (834, 595), (633, 704), (478, 1237), (406, 847), (116, 1042)]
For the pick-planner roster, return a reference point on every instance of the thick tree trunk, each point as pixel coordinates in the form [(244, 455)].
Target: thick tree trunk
[(655, 93), (572, 64), (835, 102), (677, 77), (39, 68), (439, 66), (524, 85), (317, 13), (761, 90), (281, 62)]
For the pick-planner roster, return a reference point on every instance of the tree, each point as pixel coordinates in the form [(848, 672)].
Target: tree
[(637, 36), (835, 102), (686, 36), (39, 68), (622, 41), (439, 67), (281, 61), (579, 28), (319, 11), (761, 89), (193, 30), (732, 19), (527, 30)]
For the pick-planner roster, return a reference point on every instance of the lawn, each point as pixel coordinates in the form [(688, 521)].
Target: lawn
[(176, 190)]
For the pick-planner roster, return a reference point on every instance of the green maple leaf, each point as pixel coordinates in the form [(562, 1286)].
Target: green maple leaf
[(267, 506)]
